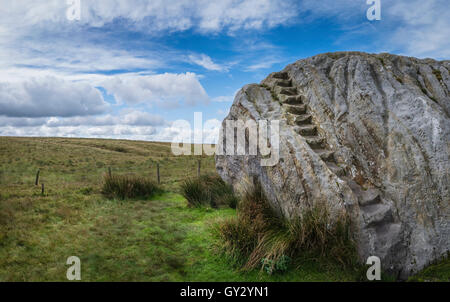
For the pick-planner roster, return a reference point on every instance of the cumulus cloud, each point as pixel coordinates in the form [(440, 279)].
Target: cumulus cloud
[(134, 118), (139, 118), (22, 122), (183, 132), (166, 89), (96, 129), (131, 118), (114, 132), (132, 124), (50, 65), (45, 97)]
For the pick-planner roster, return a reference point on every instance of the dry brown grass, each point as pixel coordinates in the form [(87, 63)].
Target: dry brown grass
[(257, 234)]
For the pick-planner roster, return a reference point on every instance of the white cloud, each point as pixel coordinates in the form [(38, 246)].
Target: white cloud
[(114, 132), (223, 113), (166, 132), (226, 98), (74, 55), (128, 124), (180, 131), (223, 99), (424, 28), (22, 122), (50, 66), (130, 118), (104, 120), (36, 35), (44, 97), (264, 64), (202, 15), (249, 14), (342, 9), (410, 27), (205, 62), (139, 118), (166, 89)]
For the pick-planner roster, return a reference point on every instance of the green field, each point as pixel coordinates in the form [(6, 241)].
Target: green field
[(160, 239)]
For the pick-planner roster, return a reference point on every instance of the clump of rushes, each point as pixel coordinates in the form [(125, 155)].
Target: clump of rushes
[(126, 186), (258, 237), (208, 190)]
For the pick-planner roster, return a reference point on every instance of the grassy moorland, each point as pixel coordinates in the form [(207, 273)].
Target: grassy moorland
[(155, 239)]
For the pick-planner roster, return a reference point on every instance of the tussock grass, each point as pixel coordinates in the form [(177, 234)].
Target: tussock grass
[(208, 190), (258, 236), (125, 186)]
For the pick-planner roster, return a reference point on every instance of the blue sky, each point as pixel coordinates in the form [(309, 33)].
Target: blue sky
[(129, 69)]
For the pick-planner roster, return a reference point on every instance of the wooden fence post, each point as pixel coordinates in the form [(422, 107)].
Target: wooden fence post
[(198, 168), (43, 189), (37, 177), (157, 173), (109, 172)]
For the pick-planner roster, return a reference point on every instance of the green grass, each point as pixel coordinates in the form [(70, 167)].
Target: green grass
[(438, 272), (126, 187), (155, 239), (258, 238), (209, 191)]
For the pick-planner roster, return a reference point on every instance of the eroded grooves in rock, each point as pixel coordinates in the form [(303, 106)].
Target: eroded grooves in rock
[(368, 134)]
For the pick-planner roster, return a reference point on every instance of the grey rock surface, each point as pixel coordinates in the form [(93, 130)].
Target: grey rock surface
[(367, 134)]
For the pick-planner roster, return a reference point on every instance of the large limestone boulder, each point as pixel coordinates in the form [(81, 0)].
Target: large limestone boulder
[(368, 134)]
